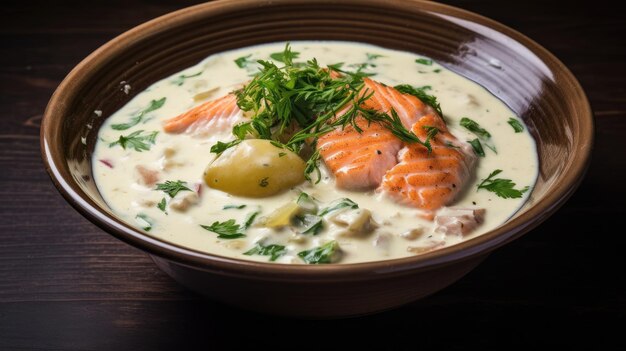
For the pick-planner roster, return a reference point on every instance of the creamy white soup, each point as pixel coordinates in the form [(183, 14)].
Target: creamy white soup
[(159, 173)]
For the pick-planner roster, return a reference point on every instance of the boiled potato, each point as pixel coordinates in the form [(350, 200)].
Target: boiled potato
[(255, 168)]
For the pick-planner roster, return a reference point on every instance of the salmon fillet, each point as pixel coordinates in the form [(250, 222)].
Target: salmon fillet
[(384, 98), (429, 181), (215, 115), (359, 160)]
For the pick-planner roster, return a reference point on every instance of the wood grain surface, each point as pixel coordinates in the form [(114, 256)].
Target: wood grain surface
[(66, 285)]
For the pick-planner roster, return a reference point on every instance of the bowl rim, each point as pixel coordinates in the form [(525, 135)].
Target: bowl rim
[(465, 250)]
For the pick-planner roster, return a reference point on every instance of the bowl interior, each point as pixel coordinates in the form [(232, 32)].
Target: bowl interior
[(528, 79)]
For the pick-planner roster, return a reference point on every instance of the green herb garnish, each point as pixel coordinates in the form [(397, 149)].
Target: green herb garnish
[(475, 128), (172, 188), (306, 98), (238, 207), (274, 251), (229, 229), (371, 57), (181, 79), (339, 204), (243, 62), (144, 221), (321, 254), (220, 147), (286, 56), (249, 219), (517, 126), (423, 61), (154, 105), (136, 140), (311, 224), (421, 94), (306, 202), (504, 188), (477, 146), (161, 205), (225, 230)]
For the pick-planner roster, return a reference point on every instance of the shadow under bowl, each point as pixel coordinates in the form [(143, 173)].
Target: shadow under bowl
[(532, 82)]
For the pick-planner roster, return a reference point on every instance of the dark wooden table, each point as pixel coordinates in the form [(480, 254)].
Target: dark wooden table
[(66, 285)]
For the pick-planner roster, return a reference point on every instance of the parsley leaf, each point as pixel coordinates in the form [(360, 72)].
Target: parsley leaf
[(371, 57), (220, 147), (242, 62), (517, 126), (504, 188), (242, 129), (286, 56), (421, 94), (423, 61), (136, 141), (477, 146), (475, 128), (154, 105), (225, 230), (229, 229), (320, 254), (172, 188), (161, 205), (274, 251), (144, 221)]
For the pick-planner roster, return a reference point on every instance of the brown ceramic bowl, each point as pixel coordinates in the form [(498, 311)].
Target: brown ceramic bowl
[(530, 80)]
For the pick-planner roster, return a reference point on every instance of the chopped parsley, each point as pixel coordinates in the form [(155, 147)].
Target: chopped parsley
[(162, 205), (517, 126), (274, 251), (285, 56), (475, 128), (220, 147), (172, 188), (243, 61), (144, 221), (421, 94), (321, 254), (136, 141), (225, 230), (477, 146), (229, 229), (504, 188), (371, 57), (423, 61), (180, 80), (154, 105)]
